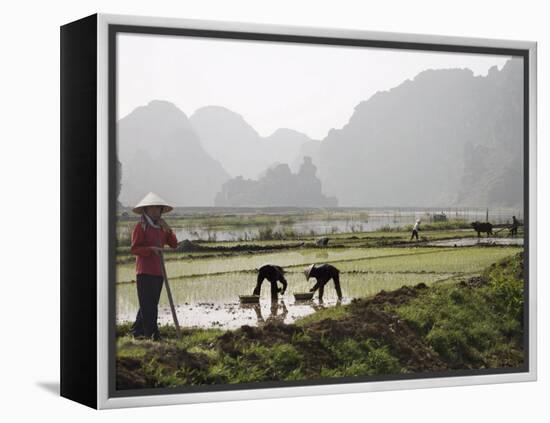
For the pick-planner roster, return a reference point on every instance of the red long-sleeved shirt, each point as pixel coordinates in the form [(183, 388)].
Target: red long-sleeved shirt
[(146, 260)]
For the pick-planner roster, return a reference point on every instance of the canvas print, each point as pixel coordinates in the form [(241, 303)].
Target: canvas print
[(291, 213)]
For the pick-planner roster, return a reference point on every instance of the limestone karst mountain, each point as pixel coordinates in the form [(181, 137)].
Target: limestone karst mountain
[(446, 137), (159, 151), (278, 187), (230, 139)]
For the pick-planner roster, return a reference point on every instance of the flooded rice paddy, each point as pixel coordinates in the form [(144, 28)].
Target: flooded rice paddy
[(364, 220), (468, 242), (206, 289)]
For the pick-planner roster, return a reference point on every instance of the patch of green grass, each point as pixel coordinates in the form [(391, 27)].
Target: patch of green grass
[(335, 312), (465, 260), (258, 362), (467, 325), (128, 347), (191, 266), (198, 337), (506, 286), (360, 358)]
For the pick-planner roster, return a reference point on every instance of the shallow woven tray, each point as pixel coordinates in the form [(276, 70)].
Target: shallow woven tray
[(303, 296), (249, 298)]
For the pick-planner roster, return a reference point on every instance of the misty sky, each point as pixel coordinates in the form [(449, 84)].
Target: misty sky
[(309, 88)]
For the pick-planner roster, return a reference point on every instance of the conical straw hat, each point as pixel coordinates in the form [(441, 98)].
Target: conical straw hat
[(308, 270), (152, 199)]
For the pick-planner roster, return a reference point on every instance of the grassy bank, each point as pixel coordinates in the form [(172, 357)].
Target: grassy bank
[(473, 324)]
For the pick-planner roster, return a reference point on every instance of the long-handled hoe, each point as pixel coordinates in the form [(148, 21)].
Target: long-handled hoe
[(169, 293)]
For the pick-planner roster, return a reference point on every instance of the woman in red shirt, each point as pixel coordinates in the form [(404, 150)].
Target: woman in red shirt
[(149, 237)]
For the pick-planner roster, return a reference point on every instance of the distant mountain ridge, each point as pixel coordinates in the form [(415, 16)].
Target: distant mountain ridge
[(234, 142), (444, 138), (418, 143), (159, 151)]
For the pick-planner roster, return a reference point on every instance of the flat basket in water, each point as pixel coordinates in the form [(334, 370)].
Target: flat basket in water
[(249, 298), (303, 296)]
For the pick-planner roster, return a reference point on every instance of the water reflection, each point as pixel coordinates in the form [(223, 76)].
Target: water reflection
[(277, 312), (467, 242)]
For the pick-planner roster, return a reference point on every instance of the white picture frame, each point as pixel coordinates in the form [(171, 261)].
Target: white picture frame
[(106, 26)]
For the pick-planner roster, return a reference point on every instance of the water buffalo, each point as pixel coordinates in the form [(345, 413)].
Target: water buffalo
[(480, 227), (273, 274)]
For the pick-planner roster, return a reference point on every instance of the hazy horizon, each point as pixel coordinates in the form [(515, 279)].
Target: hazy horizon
[(382, 127), (308, 88)]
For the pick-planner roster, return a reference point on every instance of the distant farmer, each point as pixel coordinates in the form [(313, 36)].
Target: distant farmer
[(149, 237), (273, 274), (324, 273), (484, 227), (322, 242), (514, 228), (415, 230)]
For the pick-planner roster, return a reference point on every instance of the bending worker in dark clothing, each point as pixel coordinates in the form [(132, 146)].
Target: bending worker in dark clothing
[(273, 274), (323, 273)]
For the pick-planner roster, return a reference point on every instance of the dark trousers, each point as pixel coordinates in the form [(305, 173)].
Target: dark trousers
[(149, 288), (320, 285), (274, 289), (414, 234)]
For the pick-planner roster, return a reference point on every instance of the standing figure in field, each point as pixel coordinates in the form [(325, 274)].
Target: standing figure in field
[(482, 227), (324, 273), (149, 237), (273, 274), (514, 228), (415, 230)]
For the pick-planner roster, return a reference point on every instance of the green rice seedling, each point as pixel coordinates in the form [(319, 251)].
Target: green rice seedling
[(466, 260)]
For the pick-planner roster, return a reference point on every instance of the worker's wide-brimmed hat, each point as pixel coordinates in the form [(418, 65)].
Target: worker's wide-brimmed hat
[(152, 199), (308, 270)]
